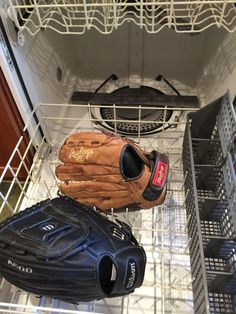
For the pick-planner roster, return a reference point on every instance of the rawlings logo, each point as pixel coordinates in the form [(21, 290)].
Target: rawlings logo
[(20, 267), (81, 154), (160, 174)]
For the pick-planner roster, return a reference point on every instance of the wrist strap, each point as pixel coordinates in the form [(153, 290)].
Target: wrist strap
[(158, 178)]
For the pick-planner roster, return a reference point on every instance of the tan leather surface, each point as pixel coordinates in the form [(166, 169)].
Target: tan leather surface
[(91, 172)]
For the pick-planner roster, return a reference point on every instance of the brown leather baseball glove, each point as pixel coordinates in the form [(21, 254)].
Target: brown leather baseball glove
[(109, 171)]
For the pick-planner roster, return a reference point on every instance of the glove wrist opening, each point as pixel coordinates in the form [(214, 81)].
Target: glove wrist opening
[(107, 274)]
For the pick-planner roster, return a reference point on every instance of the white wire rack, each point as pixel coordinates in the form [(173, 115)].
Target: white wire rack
[(77, 16), (161, 230)]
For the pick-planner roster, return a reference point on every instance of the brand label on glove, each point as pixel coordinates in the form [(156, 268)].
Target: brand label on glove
[(81, 154), (19, 267), (131, 274), (117, 233), (160, 174)]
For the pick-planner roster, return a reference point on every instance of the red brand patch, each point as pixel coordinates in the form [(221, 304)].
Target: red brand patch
[(160, 174)]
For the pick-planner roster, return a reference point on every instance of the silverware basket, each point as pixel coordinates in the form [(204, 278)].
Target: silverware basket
[(210, 194)]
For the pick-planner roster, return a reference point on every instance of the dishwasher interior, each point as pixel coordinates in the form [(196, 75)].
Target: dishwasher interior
[(132, 50)]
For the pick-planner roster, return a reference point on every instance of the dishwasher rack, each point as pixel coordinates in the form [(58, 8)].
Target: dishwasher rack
[(210, 206), (161, 230), (75, 17)]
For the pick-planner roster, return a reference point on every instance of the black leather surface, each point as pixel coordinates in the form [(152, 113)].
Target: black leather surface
[(131, 163), (57, 248)]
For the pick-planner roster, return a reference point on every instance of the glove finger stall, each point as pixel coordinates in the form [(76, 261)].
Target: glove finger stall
[(81, 172), (93, 186), (90, 193)]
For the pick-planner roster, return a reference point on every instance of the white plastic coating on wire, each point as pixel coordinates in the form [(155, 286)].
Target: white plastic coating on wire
[(43, 309), (139, 122), (15, 174), (68, 17), (115, 120)]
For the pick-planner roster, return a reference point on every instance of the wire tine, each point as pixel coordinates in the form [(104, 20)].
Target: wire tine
[(139, 122), (112, 214), (92, 306), (22, 196), (5, 202), (186, 196), (48, 190), (19, 185), (52, 172), (90, 115), (115, 120), (15, 179), (122, 308), (127, 214), (140, 239), (185, 178), (11, 158), (163, 125), (22, 162), (187, 246)]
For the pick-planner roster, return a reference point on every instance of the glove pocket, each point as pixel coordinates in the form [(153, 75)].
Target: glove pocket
[(131, 163)]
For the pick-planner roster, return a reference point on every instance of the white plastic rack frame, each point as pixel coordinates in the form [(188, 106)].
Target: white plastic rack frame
[(161, 230), (77, 16)]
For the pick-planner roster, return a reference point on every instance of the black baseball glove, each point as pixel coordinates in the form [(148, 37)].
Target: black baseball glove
[(65, 250)]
